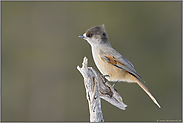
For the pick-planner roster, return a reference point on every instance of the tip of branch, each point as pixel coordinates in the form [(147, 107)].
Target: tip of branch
[(78, 68), (85, 62)]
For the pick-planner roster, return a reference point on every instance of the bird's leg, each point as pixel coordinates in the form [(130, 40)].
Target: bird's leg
[(115, 84), (105, 80)]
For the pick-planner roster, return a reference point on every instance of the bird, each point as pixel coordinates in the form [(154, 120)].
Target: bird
[(110, 62)]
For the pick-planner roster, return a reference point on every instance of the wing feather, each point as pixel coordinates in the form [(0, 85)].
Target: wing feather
[(122, 63)]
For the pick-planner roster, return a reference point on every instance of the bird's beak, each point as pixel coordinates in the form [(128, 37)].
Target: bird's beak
[(81, 36)]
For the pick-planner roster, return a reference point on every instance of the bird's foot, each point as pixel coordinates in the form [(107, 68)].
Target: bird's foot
[(104, 76), (115, 90)]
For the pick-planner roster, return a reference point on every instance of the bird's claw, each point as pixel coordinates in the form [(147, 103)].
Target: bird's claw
[(104, 76)]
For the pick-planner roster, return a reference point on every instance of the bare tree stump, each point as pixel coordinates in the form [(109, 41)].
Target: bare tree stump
[(97, 87)]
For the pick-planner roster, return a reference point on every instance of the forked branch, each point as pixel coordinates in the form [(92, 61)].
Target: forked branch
[(97, 87)]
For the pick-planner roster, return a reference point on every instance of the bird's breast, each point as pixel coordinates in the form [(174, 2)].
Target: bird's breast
[(115, 74)]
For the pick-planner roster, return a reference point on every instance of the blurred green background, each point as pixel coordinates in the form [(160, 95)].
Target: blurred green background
[(41, 50)]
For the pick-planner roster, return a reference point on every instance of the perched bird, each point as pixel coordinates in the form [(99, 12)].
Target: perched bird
[(111, 63)]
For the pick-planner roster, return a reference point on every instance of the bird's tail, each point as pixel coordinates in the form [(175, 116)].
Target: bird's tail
[(147, 91)]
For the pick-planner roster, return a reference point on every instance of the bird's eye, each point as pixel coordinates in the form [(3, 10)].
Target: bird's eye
[(90, 35), (104, 34)]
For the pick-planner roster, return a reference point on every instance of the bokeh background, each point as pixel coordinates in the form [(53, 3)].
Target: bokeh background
[(41, 50)]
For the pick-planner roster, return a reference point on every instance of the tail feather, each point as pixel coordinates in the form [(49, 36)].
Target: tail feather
[(148, 93)]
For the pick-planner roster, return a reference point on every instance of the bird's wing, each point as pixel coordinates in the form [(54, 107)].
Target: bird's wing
[(122, 63)]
